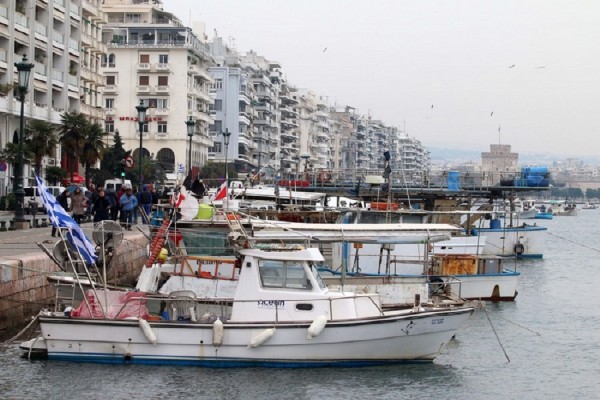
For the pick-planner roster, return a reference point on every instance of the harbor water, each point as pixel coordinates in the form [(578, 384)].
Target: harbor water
[(545, 345)]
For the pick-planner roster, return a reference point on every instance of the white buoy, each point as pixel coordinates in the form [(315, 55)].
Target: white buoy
[(217, 333), (316, 327), (261, 338), (148, 332)]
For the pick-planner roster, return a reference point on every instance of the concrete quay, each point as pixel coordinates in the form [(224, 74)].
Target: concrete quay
[(24, 267)]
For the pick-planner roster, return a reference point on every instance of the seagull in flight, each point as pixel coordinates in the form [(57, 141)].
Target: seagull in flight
[(512, 66), (325, 49)]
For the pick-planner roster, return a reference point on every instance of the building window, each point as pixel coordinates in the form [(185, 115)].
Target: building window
[(162, 127), (132, 17), (109, 103), (144, 128), (163, 81), (111, 80), (144, 80), (144, 58), (163, 58), (218, 84), (218, 105), (109, 126), (216, 148), (162, 103), (111, 60)]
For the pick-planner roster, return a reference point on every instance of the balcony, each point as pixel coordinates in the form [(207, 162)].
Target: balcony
[(110, 89), (161, 111), (163, 67), (162, 89), (143, 88), (143, 67)]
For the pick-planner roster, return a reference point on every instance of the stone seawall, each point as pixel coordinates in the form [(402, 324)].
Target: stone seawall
[(24, 288)]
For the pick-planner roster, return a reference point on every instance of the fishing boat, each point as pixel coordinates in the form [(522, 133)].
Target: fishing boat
[(522, 240), (282, 315), (481, 277)]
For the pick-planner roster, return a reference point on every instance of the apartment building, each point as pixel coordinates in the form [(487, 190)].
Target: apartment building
[(152, 58), (60, 37)]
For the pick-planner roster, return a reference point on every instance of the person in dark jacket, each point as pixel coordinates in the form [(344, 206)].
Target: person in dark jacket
[(145, 201), (63, 200), (114, 206), (101, 207)]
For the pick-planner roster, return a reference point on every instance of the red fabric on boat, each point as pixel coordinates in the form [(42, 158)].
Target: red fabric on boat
[(121, 305)]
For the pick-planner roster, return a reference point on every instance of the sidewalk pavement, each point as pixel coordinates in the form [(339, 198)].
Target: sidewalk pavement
[(20, 242)]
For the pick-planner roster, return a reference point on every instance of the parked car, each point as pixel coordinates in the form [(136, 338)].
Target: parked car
[(32, 195)]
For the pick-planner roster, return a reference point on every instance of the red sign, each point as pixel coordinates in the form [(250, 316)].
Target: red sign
[(135, 119)]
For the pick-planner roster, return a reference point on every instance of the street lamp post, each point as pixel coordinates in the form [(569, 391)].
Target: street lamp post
[(141, 109), (24, 71), (190, 123), (226, 136)]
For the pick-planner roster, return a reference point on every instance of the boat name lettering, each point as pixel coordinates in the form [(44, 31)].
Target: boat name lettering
[(437, 321), (271, 303)]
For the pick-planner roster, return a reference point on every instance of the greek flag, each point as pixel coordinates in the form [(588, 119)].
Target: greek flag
[(61, 219)]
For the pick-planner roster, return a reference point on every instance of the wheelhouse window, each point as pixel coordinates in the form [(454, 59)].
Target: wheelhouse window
[(283, 274)]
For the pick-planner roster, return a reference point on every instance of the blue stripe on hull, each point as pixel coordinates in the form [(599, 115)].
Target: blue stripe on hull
[(224, 362)]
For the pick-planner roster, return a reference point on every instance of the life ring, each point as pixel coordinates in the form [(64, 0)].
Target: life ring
[(519, 249)]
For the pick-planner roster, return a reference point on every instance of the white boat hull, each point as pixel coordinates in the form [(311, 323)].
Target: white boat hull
[(496, 287), (506, 241), (399, 337)]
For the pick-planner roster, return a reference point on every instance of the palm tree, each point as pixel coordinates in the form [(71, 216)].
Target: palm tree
[(10, 154), (93, 149), (40, 139), (72, 136)]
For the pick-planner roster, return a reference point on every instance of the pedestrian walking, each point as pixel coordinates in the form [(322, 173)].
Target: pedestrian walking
[(145, 201), (114, 205), (102, 206), (78, 204), (128, 203)]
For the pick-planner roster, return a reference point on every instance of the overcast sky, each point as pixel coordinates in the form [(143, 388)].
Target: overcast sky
[(451, 72)]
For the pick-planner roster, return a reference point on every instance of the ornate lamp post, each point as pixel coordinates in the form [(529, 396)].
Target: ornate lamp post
[(226, 136), (24, 70), (190, 123), (141, 110)]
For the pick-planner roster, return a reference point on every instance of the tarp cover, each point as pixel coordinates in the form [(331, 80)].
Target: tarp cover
[(121, 305)]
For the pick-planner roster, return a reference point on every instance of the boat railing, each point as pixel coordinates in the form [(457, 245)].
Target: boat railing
[(447, 285), (188, 308)]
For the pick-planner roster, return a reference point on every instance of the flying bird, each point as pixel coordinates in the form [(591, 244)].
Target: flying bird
[(432, 106), (540, 67), (512, 66), (325, 49), (492, 113)]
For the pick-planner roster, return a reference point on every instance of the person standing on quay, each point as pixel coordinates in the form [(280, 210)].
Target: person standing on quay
[(101, 207), (78, 204), (128, 203), (63, 200), (145, 200)]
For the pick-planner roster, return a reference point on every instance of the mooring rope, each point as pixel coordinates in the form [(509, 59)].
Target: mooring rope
[(495, 333), (574, 242), (512, 322), (12, 339)]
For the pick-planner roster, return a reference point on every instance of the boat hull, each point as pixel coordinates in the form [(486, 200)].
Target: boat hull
[(508, 241), (394, 338), (494, 287)]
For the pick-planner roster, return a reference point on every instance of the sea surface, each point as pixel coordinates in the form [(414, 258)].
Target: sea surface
[(544, 345)]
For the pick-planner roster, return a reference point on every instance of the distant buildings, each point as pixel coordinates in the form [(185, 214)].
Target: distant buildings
[(103, 58)]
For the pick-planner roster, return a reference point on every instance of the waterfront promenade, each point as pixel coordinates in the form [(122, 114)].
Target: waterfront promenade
[(24, 268), (20, 242)]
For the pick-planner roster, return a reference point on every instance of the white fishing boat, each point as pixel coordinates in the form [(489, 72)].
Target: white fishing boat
[(282, 314), (523, 241), (481, 277)]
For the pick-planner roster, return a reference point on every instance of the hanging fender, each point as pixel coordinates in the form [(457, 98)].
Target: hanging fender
[(519, 249)]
